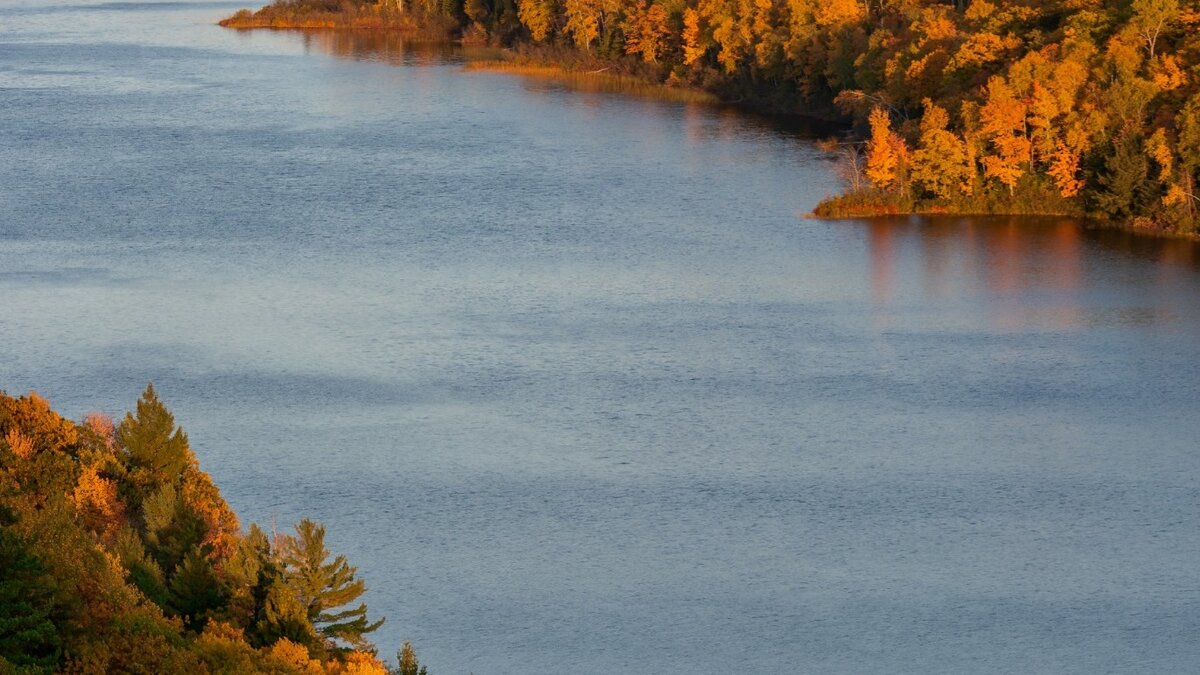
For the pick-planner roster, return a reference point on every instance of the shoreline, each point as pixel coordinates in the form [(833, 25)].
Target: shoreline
[(601, 75), (873, 211)]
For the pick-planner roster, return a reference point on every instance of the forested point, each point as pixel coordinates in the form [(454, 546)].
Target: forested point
[(118, 554), (1079, 107)]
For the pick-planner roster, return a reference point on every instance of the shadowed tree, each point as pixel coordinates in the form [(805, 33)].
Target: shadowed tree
[(1128, 190), (195, 589), (28, 636)]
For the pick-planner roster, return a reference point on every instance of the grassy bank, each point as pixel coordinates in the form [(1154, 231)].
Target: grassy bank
[(601, 79)]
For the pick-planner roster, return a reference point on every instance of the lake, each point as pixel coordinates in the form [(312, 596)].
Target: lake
[(573, 382)]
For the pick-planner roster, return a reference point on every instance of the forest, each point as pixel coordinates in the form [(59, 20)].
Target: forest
[(1082, 107), (118, 554)]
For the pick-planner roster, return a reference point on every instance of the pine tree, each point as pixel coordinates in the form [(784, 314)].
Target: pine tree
[(152, 442), (142, 571), (283, 617), (323, 587), (1128, 190), (171, 529), (28, 636), (195, 589)]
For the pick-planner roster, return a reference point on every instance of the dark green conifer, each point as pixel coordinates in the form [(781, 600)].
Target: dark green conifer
[(171, 529), (28, 636), (1128, 190), (144, 573), (195, 589)]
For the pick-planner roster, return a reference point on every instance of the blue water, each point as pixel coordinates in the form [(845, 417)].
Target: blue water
[(570, 379)]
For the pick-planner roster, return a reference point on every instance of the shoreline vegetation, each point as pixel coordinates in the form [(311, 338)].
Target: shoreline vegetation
[(118, 554), (1087, 108)]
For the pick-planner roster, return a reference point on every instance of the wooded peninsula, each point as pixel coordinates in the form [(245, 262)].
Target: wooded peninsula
[(118, 554), (1074, 107)]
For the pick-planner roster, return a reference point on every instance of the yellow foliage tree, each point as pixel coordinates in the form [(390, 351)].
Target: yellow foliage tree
[(1160, 151), (939, 164), (221, 525), (646, 31), (1003, 121), (47, 431), (97, 506), (538, 16), (583, 21), (694, 45), (1167, 74), (20, 445), (293, 657), (887, 154), (835, 13), (1064, 169), (728, 31), (1151, 18), (360, 663)]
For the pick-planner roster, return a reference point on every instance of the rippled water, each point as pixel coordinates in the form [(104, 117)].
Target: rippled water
[(570, 380)]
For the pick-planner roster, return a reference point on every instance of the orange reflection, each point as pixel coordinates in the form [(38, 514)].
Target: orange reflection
[(1007, 257), (1033, 270), (881, 242)]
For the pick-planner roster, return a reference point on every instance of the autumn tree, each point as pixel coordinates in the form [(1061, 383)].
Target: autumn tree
[(97, 504), (584, 19), (406, 661), (539, 17), (695, 46), (1151, 18), (646, 30), (939, 164), (44, 429), (1002, 120), (1064, 169), (887, 154)]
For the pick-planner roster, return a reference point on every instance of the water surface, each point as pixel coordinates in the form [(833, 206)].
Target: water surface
[(572, 382)]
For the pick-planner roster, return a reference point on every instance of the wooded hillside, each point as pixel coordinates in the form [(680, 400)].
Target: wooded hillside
[(118, 554)]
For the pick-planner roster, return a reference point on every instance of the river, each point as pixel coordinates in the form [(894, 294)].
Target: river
[(571, 380)]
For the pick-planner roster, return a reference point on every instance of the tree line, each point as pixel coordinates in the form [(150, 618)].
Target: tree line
[(118, 554), (1022, 106)]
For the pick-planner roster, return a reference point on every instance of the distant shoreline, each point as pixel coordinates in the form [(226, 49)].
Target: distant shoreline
[(945, 162)]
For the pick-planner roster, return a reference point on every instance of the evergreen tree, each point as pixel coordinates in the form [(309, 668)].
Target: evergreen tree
[(195, 589), (323, 587), (171, 528), (143, 572), (28, 636), (152, 442), (1128, 190), (283, 617)]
